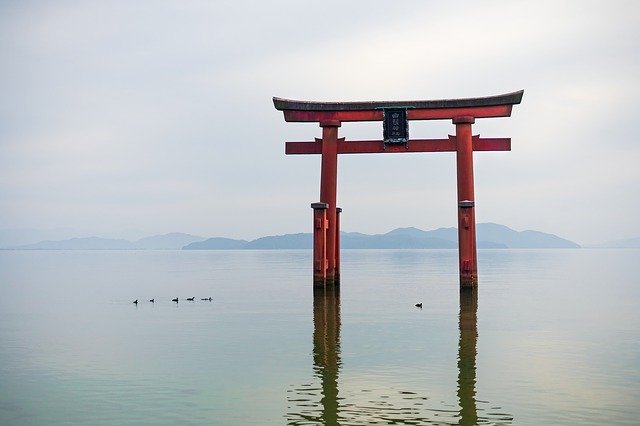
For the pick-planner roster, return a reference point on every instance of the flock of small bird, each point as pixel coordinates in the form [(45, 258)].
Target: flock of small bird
[(189, 299), (209, 299)]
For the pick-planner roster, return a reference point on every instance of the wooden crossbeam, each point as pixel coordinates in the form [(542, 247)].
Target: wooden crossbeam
[(412, 114), (414, 145)]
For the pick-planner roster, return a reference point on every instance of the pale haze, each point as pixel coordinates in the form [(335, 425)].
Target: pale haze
[(157, 116)]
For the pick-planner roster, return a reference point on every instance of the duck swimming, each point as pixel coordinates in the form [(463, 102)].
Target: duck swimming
[(207, 298), (190, 299), (419, 305), (175, 300), (135, 302), (152, 300)]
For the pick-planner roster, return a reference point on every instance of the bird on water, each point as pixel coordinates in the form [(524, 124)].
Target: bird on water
[(152, 300), (419, 305), (175, 300), (135, 302), (190, 299), (207, 298)]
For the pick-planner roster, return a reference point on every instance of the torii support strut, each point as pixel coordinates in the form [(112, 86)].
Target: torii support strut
[(396, 116)]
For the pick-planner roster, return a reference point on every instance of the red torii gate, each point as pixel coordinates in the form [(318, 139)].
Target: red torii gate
[(395, 116)]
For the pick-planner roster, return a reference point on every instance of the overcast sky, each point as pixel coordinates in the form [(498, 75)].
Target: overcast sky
[(157, 115)]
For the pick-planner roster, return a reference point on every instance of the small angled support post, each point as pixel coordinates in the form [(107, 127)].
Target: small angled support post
[(320, 225), (337, 270)]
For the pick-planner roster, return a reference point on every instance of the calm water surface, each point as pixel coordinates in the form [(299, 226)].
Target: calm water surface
[(551, 337)]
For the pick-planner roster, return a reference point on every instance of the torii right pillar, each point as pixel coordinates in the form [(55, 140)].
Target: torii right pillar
[(467, 253)]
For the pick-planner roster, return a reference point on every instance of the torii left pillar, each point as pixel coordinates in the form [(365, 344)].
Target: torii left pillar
[(328, 195)]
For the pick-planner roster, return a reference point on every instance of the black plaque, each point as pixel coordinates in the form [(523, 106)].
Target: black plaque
[(396, 126)]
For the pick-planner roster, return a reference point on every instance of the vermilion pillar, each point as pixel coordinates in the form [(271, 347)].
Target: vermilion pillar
[(466, 203), (328, 190)]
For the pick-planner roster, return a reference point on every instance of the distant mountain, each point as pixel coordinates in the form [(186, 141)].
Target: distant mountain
[(15, 237), (489, 235), (628, 243), (287, 241), (88, 243), (216, 243), (396, 239), (23, 236), (173, 241), (522, 239)]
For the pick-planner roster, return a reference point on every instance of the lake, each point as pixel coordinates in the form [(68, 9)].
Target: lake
[(551, 337)]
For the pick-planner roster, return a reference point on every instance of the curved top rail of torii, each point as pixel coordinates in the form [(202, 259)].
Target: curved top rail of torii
[(484, 107)]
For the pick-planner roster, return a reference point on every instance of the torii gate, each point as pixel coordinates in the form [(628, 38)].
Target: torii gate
[(395, 116)]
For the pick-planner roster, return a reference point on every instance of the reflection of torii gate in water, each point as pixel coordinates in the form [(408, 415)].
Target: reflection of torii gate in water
[(325, 404), (395, 116)]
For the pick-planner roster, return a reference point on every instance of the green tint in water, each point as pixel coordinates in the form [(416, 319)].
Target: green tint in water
[(320, 402), (551, 337)]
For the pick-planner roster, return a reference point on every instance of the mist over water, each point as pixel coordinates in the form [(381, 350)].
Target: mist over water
[(551, 337)]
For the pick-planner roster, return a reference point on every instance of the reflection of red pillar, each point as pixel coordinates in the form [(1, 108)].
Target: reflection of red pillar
[(319, 243), (328, 188), (338, 211), (466, 203)]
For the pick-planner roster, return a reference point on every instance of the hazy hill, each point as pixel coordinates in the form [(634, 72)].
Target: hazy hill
[(173, 241), (88, 243), (397, 240), (287, 241), (14, 237), (24, 236), (521, 239), (490, 235), (216, 243)]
